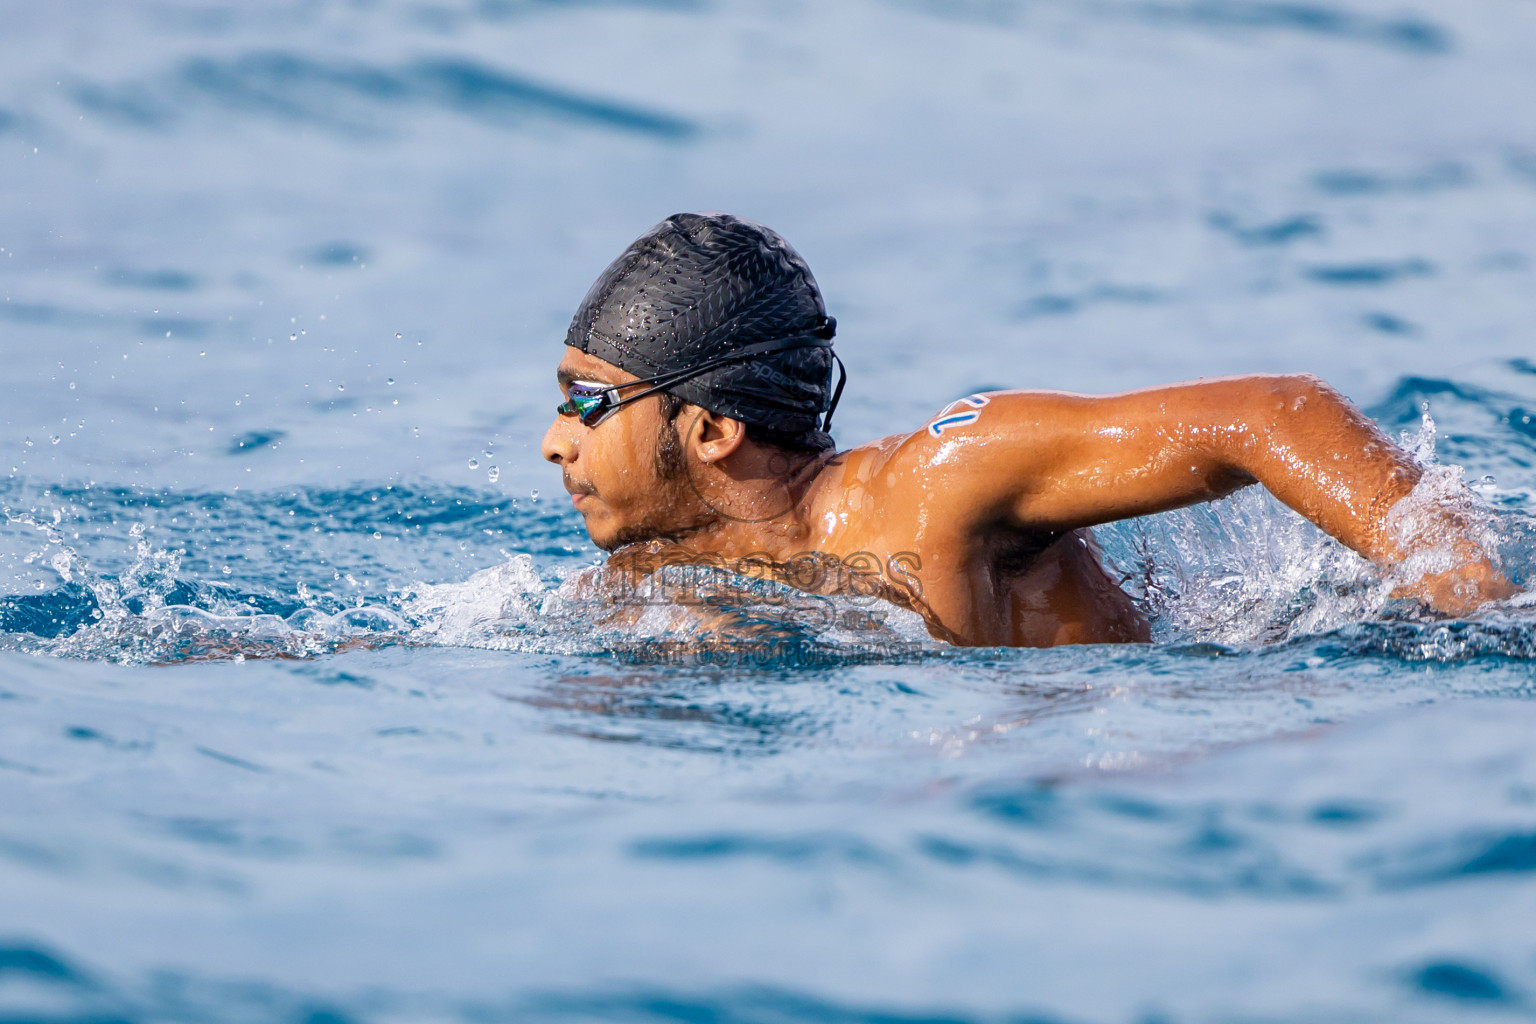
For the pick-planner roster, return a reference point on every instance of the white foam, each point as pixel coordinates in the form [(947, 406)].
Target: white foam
[(1247, 569)]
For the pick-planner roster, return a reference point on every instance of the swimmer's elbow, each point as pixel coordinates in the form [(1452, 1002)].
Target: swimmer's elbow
[(1274, 411), (1288, 396)]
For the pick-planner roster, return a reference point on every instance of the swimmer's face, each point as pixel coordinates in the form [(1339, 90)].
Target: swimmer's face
[(616, 471)]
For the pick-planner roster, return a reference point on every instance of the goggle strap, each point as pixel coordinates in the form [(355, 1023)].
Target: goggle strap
[(667, 380), (837, 394)]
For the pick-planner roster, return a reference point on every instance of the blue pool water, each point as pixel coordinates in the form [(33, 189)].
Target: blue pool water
[(303, 719)]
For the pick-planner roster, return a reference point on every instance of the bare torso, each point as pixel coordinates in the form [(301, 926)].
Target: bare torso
[(978, 583)]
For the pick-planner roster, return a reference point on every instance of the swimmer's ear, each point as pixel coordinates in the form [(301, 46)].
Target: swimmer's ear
[(712, 437)]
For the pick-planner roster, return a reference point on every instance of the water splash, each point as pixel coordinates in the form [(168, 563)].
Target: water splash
[(154, 610), (1247, 569), (697, 614)]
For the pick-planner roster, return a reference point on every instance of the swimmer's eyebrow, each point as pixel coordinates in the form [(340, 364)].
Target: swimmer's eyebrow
[(565, 378)]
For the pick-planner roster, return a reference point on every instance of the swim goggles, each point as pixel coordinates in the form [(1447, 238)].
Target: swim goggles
[(593, 401)]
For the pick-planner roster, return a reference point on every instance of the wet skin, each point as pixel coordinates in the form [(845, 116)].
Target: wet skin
[(985, 526)]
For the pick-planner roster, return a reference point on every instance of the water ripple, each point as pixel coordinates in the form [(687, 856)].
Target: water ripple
[(361, 98)]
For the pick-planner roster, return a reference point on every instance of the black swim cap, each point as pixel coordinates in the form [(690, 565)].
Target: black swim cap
[(731, 298)]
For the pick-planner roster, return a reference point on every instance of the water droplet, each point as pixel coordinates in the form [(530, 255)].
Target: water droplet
[(227, 570), (54, 438), (390, 380), (293, 337), (534, 494), (28, 442), (397, 334), (341, 387), (493, 474), (474, 463), (71, 385), (377, 535)]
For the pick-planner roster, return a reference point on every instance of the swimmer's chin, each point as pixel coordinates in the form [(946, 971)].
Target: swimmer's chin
[(600, 532), (611, 540)]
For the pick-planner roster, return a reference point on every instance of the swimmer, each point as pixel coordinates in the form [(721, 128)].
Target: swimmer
[(698, 382)]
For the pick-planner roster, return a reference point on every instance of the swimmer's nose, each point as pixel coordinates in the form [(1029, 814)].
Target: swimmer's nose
[(559, 446)]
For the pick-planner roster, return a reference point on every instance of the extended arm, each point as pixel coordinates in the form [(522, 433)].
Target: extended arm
[(1166, 447), (1050, 460)]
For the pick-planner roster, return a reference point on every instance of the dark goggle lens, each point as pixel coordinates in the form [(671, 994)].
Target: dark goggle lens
[(587, 403)]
